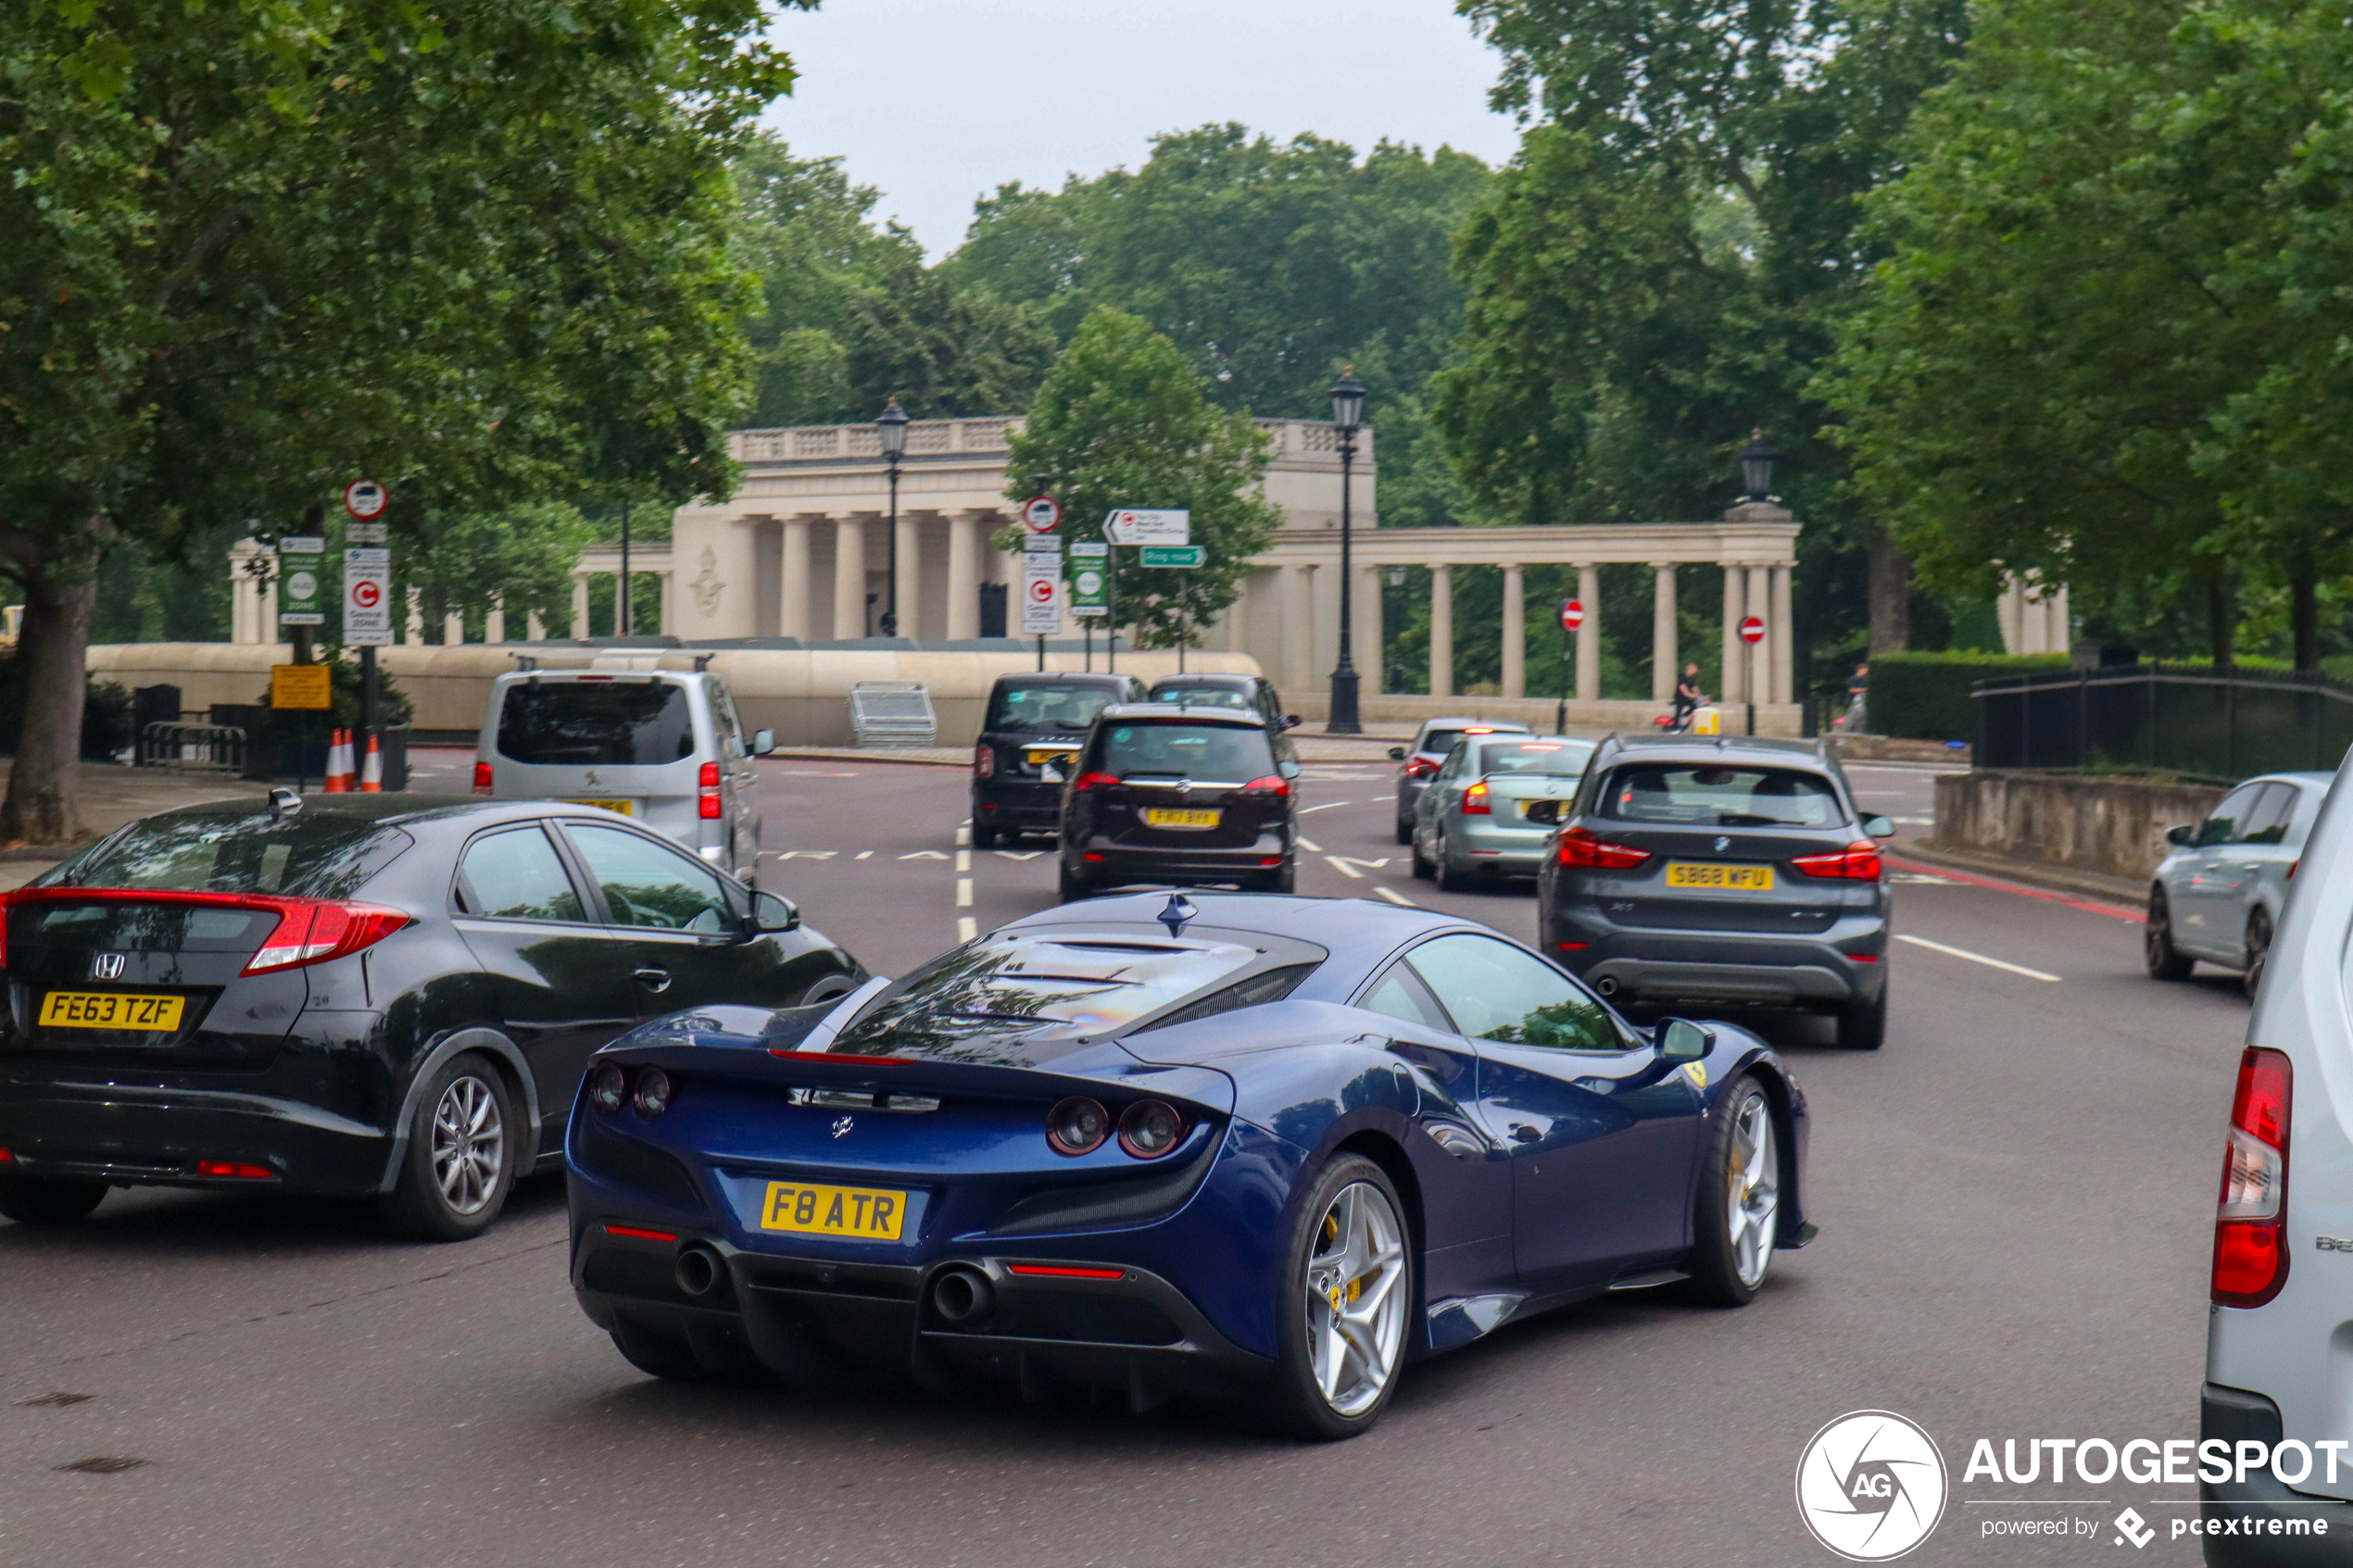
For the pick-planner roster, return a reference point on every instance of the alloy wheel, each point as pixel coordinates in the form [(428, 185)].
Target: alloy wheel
[(469, 1144), (1355, 1309), (1753, 1200)]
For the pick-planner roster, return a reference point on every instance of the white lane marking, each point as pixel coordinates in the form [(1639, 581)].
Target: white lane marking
[(863, 855), (1307, 843), (966, 929), (963, 859), (804, 854), (918, 855), (1921, 878), (1396, 897), (1339, 863), (964, 834), (963, 893), (1325, 807), (1017, 854), (1975, 957)]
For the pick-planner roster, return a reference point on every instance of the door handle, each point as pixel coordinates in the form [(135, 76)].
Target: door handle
[(1523, 1132), (654, 979)]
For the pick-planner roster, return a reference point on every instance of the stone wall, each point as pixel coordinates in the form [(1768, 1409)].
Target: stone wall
[(2095, 824)]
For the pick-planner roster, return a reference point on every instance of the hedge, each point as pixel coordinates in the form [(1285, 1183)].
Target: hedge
[(1925, 695)]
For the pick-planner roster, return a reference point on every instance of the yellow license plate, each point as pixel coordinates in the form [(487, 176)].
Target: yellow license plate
[(863, 1213), (1171, 817), (624, 806), (1059, 759), (1739, 879), (111, 1010)]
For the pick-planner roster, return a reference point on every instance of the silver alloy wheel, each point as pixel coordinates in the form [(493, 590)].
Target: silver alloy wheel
[(1753, 1195), (469, 1144), (1355, 1312)]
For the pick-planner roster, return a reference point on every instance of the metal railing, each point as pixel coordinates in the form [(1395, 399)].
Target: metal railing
[(192, 748), (2193, 721), (891, 713)]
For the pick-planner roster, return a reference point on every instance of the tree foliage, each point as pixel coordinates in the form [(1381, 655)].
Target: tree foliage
[(1122, 422)]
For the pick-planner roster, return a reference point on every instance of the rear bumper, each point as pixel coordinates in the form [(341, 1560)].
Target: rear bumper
[(140, 1137), (1024, 804), (1484, 847), (2263, 1522), (1119, 864), (1727, 968)]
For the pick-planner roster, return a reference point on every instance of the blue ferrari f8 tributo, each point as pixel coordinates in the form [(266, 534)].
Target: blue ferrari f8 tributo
[(1223, 1145)]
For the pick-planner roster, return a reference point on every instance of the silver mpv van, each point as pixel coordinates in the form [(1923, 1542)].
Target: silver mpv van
[(665, 747)]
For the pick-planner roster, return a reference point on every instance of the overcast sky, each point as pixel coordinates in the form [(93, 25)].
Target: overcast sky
[(936, 102)]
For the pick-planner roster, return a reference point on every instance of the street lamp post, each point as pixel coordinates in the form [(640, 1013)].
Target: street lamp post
[(1348, 413), (891, 426)]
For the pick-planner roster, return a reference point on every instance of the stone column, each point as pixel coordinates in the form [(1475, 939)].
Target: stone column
[(1514, 631), (1589, 634), (1784, 635), (1370, 664), (963, 576), (666, 602), (792, 586), (1299, 630), (1442, 630), (849, 577), (535, 626), (1760, 604), (417, 617), (911, 574), (580, 606), (1663, 665), (1238, 616), (1734, 650), (494, 625), (453, 630)]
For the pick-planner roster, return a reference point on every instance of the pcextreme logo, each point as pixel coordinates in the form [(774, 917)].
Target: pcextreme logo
[(1871, 1485)]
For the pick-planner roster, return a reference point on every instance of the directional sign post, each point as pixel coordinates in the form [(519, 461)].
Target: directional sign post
[(1183, 556), (1140, 525)]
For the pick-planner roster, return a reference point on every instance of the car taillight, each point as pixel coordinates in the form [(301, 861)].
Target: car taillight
[(1580, 848), (708, 777), (1419, 767), (1858, 862), (4, 930), (1086, 781), (2250, 1260), (312, 932), (706, 806), (235, 1170), (984, 762), (1271, 786), (1475, 801), (482, 778)]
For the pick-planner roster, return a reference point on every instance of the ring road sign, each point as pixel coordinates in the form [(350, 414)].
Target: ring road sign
[(365, 499), (1572, 614), (1173, 554), (1752, 631), (1041, 514)]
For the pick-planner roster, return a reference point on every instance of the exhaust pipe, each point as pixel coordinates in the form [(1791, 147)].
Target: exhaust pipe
[(1607, 985), (962, 1297), (700, 1271)]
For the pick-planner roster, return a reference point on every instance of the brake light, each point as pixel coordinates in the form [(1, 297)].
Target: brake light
[(1419, 767), (2250, 1261), (1580, 848), (1858, 862), (1057, 1271), (706, 807), (4, 930), (1272, 786), (1475, 801), (708, 777), (640, 1232), (233, 1169), (1086, 781), (482, 778), (984, 762), (312, 932)]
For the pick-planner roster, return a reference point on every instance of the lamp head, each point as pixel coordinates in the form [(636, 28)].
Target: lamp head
[(1348, 400), (891, 425)]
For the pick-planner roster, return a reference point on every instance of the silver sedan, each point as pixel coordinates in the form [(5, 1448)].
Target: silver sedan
[(1472, 821)]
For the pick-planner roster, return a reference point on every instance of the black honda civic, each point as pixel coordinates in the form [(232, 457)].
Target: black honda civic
[(392, 995)]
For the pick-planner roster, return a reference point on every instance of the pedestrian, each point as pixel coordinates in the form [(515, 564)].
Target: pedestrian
[(1858, 693)]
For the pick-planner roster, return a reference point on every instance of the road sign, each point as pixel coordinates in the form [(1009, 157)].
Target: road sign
[(1089, 584), (1042, 597), (300, 560), (300, 686), (1089, 549), (1138, 525), (365, 499), (1173, 554), (1572, 614), (1752, 631), (367, 597), (358, 532), (1042, 543), (1041, 514)]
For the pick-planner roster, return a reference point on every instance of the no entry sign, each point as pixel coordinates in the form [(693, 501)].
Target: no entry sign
[(1752, 631), (1572, 614)]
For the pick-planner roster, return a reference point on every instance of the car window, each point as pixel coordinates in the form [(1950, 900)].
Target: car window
[(1557, 759), (2267, 823), (1496, 992), (1398, 995), (1047, 705), (596, 722), (723, 717), (2222, 824), (305, 855), (1721, 797), (1440, 741), (518, 875), (1203, 695), (1212, 753), (646, 884)]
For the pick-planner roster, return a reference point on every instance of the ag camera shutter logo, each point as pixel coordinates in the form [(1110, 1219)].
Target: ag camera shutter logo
[(1871, 1485)]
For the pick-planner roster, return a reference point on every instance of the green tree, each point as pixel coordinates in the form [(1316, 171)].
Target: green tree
[(474, 248), (1122, 422), (517, 558)]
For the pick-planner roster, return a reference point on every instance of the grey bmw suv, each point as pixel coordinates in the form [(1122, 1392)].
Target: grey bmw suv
[(1724, 872)]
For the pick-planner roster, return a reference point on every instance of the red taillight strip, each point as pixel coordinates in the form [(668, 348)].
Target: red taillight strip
[(846, 1060), (236, 1170), (1060, 1271), (641, 1233)]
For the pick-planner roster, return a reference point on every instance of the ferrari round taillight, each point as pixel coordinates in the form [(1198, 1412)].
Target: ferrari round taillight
[(1078, 1126), (653, 1092), (607, 1086), (1149, 1129)]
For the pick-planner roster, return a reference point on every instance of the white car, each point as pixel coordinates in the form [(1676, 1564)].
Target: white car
[(664, 747), (2217, 897), (2279, 1347)]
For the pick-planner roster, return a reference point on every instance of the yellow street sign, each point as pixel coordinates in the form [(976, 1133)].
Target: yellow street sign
[(300, 685)]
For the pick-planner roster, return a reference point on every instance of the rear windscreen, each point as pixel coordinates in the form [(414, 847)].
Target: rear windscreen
[(596, 722), (1723, 797), (1213, 753), (1046, 705), (307, 855), (1561, 760), (1205, 696)]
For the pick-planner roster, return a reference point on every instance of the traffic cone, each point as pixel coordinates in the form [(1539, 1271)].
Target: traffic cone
[(371, 773), (338, 764)]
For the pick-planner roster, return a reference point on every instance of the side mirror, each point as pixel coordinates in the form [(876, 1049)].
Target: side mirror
[(763, 742), (1397, 754), (1290, 720), (774, 911), (1545, 811), (2179, 836), (1681, 1040), (1879, 827), (1288, 768)]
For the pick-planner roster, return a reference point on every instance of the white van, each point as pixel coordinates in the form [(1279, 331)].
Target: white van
[(664, 747)]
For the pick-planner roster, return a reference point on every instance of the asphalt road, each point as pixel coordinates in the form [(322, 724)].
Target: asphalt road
[(2015, 1197)]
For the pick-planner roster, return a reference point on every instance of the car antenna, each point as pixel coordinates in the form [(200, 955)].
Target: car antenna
[(1178, 911), (284, 803)]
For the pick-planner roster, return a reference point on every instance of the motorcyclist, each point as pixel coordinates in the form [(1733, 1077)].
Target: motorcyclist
[(1689, 698)]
